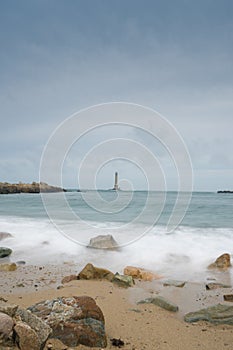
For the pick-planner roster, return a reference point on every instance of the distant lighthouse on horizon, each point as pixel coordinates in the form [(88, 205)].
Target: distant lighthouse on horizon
[(116, 187)]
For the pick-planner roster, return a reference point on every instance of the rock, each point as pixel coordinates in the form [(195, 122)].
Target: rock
[(90, 272), (54, 344), (69, 278), (8, 267), (174, 283), (222, 262), (218, 314), (103, 242), (74, 320), (214, 285), (123, 280), (4, 235), (6, 327), (137, 272), (162, 302), (9, 309), (26, 338), (37, 324), (228, 297), (5, 252)]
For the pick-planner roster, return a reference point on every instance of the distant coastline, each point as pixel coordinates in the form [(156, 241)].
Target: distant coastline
[(34, 187)]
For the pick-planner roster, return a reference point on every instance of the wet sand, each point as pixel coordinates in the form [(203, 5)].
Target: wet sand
[(143, 326)]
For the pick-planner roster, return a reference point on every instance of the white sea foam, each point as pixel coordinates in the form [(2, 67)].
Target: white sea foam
[(182, 254)]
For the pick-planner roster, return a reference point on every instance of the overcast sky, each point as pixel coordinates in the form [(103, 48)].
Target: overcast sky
[(57, 57)]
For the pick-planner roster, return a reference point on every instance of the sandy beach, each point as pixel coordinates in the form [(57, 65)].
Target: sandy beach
[(140, 326)]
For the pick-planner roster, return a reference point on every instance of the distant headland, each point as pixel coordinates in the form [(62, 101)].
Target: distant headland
[(225, 191), (34, 187)]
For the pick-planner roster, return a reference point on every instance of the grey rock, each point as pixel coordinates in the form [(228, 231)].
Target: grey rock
[(37, 324), (5, 252), (9, 309), (161, 302), (123, 280), (218, 314), (103, 242), (174, 283), (6, 327), (215, 285)]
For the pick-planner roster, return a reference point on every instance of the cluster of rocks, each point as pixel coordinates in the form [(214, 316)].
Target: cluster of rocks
[(64, 321), (34, 187), (91, 272)]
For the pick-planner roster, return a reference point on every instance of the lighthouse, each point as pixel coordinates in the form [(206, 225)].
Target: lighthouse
[(116, 187)]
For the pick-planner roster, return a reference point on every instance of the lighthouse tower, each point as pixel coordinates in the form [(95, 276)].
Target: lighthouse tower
[(116, 187)]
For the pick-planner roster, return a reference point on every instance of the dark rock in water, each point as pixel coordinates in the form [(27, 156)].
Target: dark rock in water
[(174, 283), (222, 262), (123, 280), (161, 302), (218, 314), (5, 252), (103, 242), (4, 235), (74, 320), (214, 285), (228, 297), (21, 262), (90, 272)]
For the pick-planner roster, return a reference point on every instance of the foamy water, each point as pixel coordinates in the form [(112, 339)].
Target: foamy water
[(205, 233)]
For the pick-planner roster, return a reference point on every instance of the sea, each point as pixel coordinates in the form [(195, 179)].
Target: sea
[(151, 230)]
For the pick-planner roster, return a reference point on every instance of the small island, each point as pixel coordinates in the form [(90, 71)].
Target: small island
[(34, 187)]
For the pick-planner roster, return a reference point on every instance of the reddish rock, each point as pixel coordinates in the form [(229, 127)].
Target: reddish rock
[(69, 278), (90, 272), (74, 320), (222, 262), (137, 272)]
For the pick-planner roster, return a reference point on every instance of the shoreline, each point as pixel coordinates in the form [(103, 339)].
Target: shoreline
[(140, 326)]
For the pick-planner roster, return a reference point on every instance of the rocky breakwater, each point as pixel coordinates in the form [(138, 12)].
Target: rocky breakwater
[(34, 187)]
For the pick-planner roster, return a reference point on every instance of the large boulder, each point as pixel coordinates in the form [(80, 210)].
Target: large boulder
[(4, 252), (222, 262), (74, 320), (90, 272), (215, 314), (139, 273), (103, 242)]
